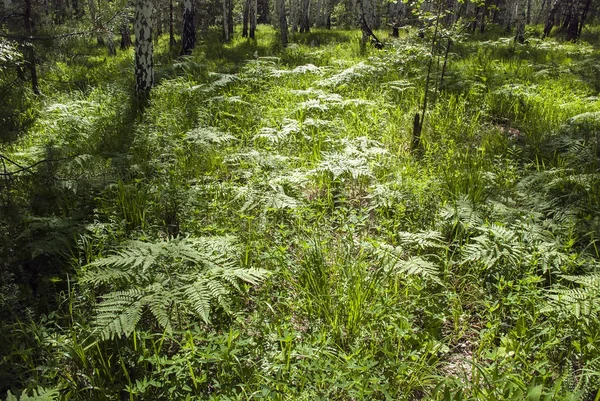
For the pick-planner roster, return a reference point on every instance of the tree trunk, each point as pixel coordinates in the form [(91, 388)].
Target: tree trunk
[(225, 21), (144, 65), (586, 9), (230, 21), (112, 50), (189, 30), (283, 23), (245, 18), (367, 33), (578, 14), (305, 17), (262, 11), (320, 23), (294, 14), (252, 17), (482, 21), (171, 28), (158, 31), (125, 36), (28, 51), (520, 21), (551, 18)]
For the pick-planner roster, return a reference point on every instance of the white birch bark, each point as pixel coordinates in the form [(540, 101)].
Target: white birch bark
[(144, 65)]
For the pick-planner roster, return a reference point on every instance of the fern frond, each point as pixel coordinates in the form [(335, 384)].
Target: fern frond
[(207, 136), (183, 273), (422, 240), (396, 259), (198, 296), (119, 312)]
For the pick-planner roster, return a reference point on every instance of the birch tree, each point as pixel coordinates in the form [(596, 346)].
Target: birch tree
[(189, 30), (144, 66), (520, 21)]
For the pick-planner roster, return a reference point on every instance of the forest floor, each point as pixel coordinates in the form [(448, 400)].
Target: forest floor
[(467, 269)]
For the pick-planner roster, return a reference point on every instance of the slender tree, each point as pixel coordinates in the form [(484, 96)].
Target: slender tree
[(252, 15), (144, 65), (230, 21), (283, 27), (305, 16), (226, 20), (245, 18), (28, 51), (189, 30), (551, 17), (125, 36), (520, 21), (171, 28)]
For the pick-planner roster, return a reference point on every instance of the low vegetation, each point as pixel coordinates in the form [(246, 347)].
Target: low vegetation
[(262, 228)]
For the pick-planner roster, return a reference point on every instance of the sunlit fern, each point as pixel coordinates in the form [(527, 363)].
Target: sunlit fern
[(398, 260), (352, 74), (354, 162), (176, 277), (581, 298)]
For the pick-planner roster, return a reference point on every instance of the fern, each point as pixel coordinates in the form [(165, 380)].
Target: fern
[(423, 240), (497, 245), (353, 162), (189, 275), (349, 75), (580, 301), (460, 217), (300, 70), (40, 394), (397, 259), (275, 136), (207, 136), (270, 197)]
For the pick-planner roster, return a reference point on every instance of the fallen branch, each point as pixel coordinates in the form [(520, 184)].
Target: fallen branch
[(27, 169)]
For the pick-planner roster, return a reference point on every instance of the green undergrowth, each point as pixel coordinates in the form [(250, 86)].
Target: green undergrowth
[(260, 229)]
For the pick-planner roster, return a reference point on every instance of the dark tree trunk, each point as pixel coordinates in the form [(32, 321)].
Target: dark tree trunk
[(474, 23), (551, 17), (230, 22), (171, 22), (245, 18), (305, 17), (225, 21), (484, 13), (578, 13), (263, 11), (252, 17), (586, 9), (283, 23), (28, 51), (366, 29), (189, 30), (125, 36)]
